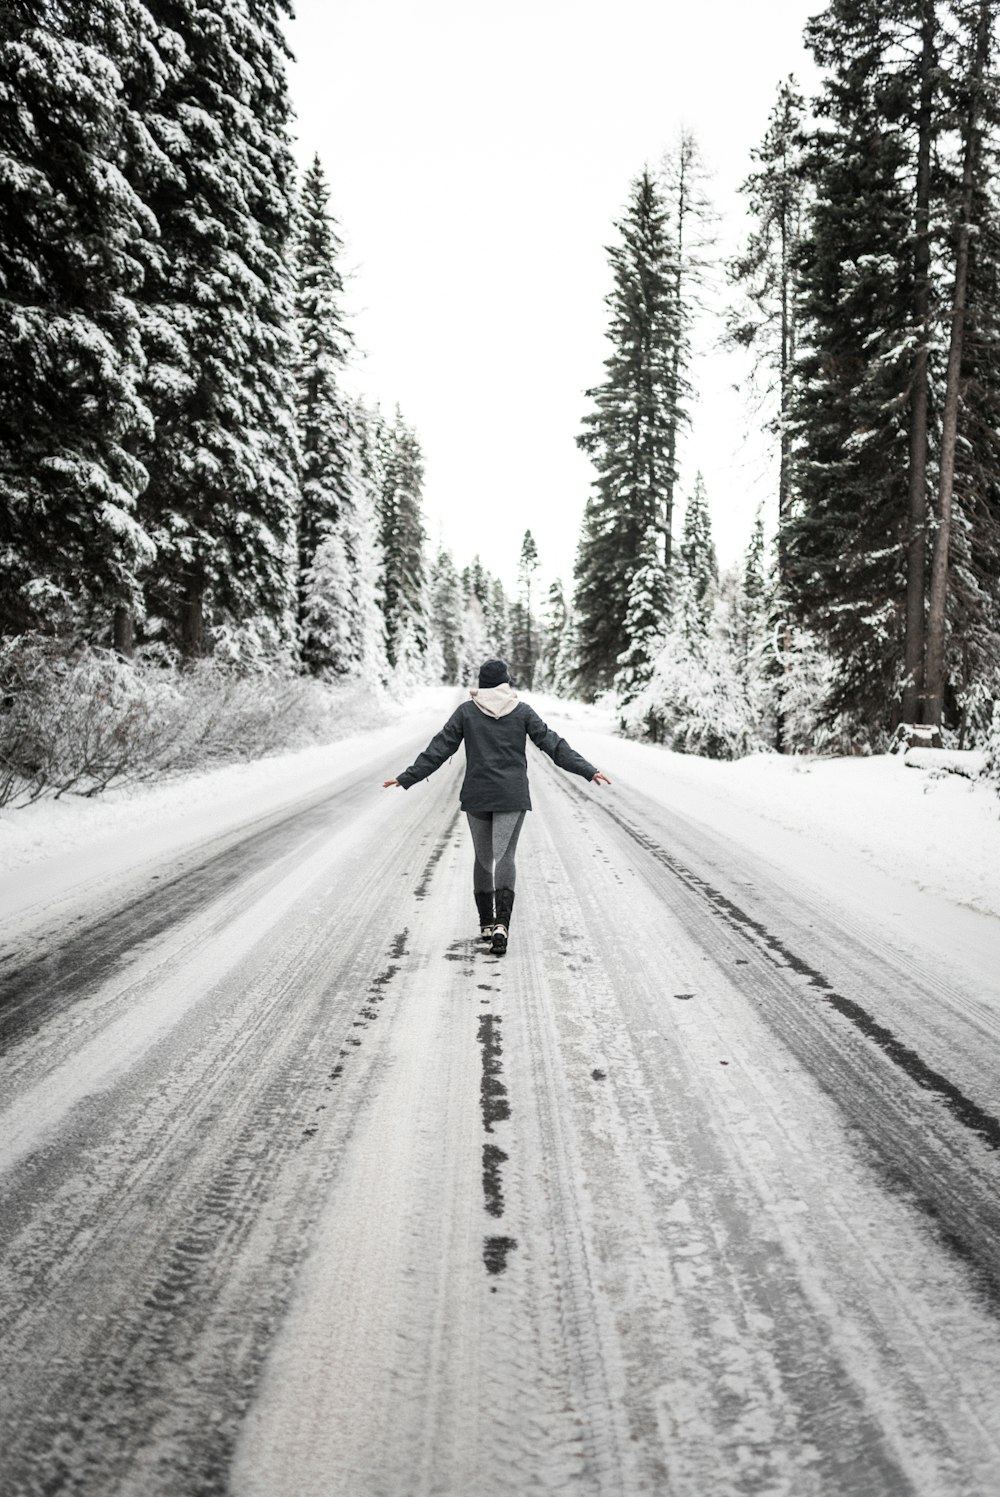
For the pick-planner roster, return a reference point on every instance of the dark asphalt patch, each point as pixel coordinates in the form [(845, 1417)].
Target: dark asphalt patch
[(492, 1092), (436, 856), (495, 1251), (493, 1160)]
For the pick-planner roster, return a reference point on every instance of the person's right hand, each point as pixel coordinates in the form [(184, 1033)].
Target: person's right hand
[(600, 779), (387, 783)]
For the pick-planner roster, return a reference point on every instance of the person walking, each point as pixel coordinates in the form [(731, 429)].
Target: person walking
[(494, 724)]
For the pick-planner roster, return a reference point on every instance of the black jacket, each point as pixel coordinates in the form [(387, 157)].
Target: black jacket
[(496, 768)]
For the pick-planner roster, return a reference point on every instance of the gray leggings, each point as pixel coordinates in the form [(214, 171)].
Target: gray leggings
[(494, 838)]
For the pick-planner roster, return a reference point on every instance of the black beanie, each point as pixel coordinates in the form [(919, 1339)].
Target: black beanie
[(493, 673)]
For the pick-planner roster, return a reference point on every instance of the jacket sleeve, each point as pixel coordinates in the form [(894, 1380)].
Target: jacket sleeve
[(557, 748), (440, 748)]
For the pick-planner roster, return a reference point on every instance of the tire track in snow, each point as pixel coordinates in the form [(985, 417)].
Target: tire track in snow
[(149, 1250), (908, 1114)]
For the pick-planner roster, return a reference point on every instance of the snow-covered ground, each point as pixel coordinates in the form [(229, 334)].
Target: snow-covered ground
[(939, 833)]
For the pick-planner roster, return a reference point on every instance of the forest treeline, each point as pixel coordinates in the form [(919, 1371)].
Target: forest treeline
[(867, 297), (186, 487), (180, 463), (186, 484)]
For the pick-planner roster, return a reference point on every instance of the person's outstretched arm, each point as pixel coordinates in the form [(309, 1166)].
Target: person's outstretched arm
[(440, 748), (559, 751)]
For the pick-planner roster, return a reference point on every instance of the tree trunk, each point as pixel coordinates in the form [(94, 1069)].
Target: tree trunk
[(192, 619), (675, 363), (123, 633), (937, 611), (916, 545), (788, 234)]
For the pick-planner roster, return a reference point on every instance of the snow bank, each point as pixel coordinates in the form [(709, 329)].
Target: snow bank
[(151, 820), (938, 834)]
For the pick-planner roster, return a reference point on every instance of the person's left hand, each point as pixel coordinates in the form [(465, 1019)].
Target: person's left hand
[(600, 779), (387, 783)]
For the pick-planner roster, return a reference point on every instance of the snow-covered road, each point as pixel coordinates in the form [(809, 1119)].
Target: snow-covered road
[(693, 1193)]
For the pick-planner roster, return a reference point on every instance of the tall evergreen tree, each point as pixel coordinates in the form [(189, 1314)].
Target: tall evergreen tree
[(977, 112), (765, 272), (403, 543), (899, 262), (691, 232), (698, 548), (497, 615), (846, 539), (72, 231), (217, 318), (329, 476), (630, 434), (524, 640), (447, 611), (646, 624)]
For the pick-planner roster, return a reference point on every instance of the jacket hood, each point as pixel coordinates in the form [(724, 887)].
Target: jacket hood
[(495, 701)]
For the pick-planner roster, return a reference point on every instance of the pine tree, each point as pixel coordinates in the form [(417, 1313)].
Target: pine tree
[(978, 112), (631, 433), (524, 642), (72, 228), (845, 542), (646, 625), (497, 615), (328, 453), (403, 542), (766, 273), (698, 548), (475, 646), (447, 610), (217, 318), (691, 219)]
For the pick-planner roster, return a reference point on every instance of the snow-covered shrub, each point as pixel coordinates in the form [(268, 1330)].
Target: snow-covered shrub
[(79, 720), (695, 702), (803, 674)]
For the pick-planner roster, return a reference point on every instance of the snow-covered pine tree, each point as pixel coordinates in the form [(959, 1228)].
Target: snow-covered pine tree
[(476, 581), (698, 549), (631, 432), (880, 265), (646, 626), (974, 91), (217, 324), (497, 613), (328, 473), (973, 655), (524, 632), (692, 220), (554, 621), (403, 541), (474, 644), (765, 274), (846, 537), (72, 225), (447, 616)]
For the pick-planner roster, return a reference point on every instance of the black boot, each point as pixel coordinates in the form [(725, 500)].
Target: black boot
[(505, 903), (484, 904)]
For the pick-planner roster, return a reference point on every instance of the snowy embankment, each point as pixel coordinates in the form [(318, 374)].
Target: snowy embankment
[(825, 821), (47, 847)]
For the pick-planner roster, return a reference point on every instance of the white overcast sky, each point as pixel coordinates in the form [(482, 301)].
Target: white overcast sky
[(478, 154)]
